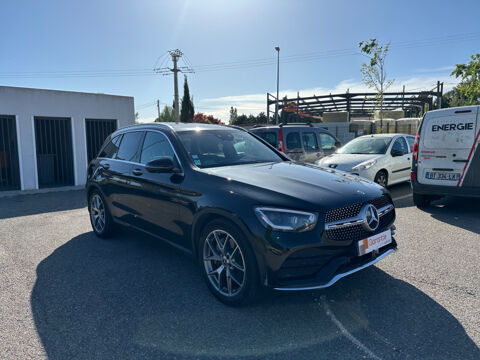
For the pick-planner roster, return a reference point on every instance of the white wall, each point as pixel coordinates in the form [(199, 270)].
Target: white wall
[(26, 103)]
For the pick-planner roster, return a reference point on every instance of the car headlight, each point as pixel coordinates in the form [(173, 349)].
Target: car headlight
[(286, 220), (365, 165)]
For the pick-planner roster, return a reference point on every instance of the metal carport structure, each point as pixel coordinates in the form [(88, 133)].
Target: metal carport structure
[(361, 103)]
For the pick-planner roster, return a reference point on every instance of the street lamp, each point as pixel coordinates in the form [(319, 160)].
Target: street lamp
[(277, 48)]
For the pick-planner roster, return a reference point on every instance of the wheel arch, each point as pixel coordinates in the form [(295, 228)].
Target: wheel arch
[(206, 216)]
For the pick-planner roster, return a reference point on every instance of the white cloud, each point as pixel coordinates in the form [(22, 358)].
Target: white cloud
[(255, 103)]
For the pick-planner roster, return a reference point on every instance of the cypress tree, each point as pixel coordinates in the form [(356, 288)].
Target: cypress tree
[(187, 110)]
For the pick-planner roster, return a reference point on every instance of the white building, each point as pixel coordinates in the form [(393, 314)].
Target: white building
[(47, 137)]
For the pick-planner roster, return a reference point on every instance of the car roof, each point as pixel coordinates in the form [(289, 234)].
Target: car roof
[(175, 127), (383, 135), (287, 126)]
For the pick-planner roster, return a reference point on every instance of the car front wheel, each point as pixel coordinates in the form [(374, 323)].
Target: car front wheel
[(381, 178), (228, 264)]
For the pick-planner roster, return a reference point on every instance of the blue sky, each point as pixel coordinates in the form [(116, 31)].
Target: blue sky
[(86, 45)]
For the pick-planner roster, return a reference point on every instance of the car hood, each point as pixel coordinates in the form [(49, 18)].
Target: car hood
[(297, 185), (346, 162)]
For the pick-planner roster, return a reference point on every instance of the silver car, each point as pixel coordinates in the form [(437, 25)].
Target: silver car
[(383, 158)]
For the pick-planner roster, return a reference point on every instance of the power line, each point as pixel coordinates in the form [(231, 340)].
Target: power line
[(239, 64)]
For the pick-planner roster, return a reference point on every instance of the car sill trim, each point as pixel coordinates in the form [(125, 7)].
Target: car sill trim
[(338, 276)]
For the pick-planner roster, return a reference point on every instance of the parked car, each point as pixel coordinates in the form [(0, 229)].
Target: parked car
[(446, 155), (252, 217), (383, 158), (301, 142)]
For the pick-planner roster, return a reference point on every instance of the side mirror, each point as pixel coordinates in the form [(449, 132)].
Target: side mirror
[(338, 144), (396, 153), (161, 165)]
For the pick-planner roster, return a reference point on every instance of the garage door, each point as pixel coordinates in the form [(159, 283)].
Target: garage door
[(53, 137), (97, 131), (9, 169)]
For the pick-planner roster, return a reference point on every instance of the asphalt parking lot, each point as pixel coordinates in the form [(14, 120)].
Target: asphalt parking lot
[(64, 294)]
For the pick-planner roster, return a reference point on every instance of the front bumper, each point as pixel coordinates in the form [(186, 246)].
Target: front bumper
[(318, 258), (347, 269)]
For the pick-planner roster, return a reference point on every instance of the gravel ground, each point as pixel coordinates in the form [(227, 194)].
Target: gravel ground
[(64, 294)]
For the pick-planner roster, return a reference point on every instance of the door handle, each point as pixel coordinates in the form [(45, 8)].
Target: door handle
[(460, 160), (137, 172), (106, 166)]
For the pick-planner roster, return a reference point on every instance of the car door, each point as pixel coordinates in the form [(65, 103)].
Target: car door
[(400, 160), (293, 144), (156, 196), (119, 170), (311, 148), (328, 143)]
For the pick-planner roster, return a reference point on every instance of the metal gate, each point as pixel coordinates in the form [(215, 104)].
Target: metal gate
[(53, 138), (9, 167), (97, 131)]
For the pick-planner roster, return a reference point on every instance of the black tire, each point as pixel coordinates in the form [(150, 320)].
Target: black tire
[(107, 230), (251, 290), (421, 201), (381, 178)]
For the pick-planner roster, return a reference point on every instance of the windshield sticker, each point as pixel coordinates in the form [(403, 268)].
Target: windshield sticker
[(197, 162), (195, 156)]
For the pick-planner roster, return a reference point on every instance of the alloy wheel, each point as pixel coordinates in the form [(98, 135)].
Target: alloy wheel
[(382, 180), (97, 213), (224, 263)]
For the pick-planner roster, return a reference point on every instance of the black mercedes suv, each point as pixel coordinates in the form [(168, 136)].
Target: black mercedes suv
[(251, 217)]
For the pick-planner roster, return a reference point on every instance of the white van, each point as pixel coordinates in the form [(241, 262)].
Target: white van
[(446, 155)]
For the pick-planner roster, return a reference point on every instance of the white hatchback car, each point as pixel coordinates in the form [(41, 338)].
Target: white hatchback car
[(383, 158)]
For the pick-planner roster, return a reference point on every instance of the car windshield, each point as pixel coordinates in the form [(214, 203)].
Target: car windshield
[(213, 148), (370, 145)]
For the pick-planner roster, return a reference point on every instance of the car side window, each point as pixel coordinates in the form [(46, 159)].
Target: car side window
[(129, 146), (310, 142), (155, 146), (411, 141), (110, 150), (400, 145), (328, 142), (293, 141), (269, 137)]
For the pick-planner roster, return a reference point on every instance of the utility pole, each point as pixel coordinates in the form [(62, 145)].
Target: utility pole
[(158, 108), (176, 55), (277, 48)]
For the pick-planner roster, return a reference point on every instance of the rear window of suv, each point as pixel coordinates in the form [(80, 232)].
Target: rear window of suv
[(268, 136)]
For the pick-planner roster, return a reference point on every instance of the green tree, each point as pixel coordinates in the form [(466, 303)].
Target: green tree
[(187, 110), (262, 118), (468, 91), (242, 119), (233, 115), (252, 119), (374, 73), (167, 115)]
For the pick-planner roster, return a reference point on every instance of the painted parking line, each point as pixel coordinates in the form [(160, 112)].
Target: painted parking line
[(402, 197), (357, 343)]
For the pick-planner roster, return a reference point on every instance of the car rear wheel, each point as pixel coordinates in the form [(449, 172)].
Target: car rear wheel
[(228, 264), (100, 218), (381, 178)]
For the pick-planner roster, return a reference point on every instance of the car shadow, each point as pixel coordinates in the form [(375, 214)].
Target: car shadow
[(32, 204), (134, 297)]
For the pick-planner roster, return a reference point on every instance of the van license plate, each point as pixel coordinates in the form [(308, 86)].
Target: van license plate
[(433, 175), (374, 242)]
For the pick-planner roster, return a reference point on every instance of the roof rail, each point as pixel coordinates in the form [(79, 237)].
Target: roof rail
[(296, 123)]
